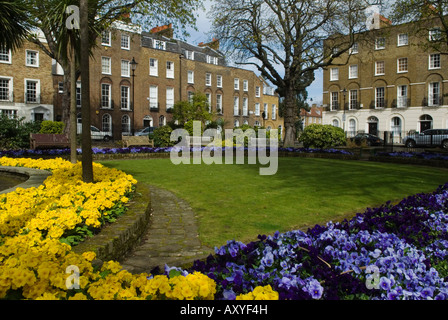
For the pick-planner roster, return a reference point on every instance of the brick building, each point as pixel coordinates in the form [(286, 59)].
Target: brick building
[(168, 70), (26, 83), (312, 116), (390, 84)]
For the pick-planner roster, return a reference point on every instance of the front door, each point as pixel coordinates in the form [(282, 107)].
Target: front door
[(373, 128), (425, 125)]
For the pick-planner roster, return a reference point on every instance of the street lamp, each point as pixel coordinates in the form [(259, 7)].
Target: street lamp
[(133, 64), (344, 92)]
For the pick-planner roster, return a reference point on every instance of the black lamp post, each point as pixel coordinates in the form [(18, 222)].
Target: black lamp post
[(344, 92), (133, 67)]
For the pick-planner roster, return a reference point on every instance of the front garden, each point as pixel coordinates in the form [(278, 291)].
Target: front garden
[(388, 252)]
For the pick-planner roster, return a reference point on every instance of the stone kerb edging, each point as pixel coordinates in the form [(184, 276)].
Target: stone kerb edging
[(35, 178), (115, 240)]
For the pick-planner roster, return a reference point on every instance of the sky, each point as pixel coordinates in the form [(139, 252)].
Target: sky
[(204, 25)]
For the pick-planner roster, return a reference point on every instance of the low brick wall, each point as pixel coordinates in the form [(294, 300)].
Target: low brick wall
[(117, 239)]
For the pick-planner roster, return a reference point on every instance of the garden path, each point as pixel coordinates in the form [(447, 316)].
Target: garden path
[(171, 238)]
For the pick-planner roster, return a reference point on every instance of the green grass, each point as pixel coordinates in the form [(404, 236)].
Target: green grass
[(235, 202)]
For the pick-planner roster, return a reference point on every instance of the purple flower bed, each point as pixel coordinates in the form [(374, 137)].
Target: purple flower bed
[(386, 253), (134, 150), (416, 155)]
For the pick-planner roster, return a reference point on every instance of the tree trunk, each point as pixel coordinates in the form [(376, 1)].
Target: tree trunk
[(289, 119), (87, 166), (73, 126)]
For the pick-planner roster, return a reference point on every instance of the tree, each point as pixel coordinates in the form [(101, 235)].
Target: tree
[(197, 108), (63, 43), (284, 40), (425, 16), (14, 22)]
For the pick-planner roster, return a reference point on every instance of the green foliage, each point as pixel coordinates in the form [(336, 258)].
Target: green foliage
[(54, 127), (195, 109), (189, 127), (15, 133), (162, 137), (322, 136)]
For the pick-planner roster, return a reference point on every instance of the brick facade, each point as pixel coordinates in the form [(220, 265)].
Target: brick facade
[(26, 83), (390, 83), (168, 70)]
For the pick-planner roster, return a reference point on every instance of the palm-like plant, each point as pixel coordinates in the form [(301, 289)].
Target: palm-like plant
[(14, 23)]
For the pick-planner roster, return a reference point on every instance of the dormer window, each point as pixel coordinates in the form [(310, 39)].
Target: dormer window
[(160, 45)]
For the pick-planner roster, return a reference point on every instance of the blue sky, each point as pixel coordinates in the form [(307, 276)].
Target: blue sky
[(204, 25)]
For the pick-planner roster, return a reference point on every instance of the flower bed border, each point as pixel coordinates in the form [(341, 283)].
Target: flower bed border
[(34, 177), (117, 239), (413, 161)]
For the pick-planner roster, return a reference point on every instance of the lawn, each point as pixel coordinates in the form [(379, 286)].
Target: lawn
[(235, 202)]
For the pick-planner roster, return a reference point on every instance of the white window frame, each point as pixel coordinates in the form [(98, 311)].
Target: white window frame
[(334, 74), (106, 126), (402, 99), (219, 81), (125, 124), (159, 44), (37, 81), (154, 70), (236, 106), (257, 109), (209, 101), (107, 44), (257, 92), (153, 96), (245, 106), (170, 70), (432, 60), (125, 102), (104, 66), (109, 96), (236, 84), (208, 79), (126, 72), (190, 76), (379, 98), (169, 98), (399, 65), (353, 71), (245, 85), (334, 101), (189, 54), (274, 112), (27, 61), (435, 34), (380, 43), (354, 48), (125, 42), (402, 39), (434, 97), (377, 68), (219, 103), (352, 99), (265, 110), (10, 88), (9, 61)]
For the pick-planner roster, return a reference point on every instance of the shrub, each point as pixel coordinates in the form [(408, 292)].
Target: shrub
[(322, 136), (15, 133), (162, 137), (52, 127)]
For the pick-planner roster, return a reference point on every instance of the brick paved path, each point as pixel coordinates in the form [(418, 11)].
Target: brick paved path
[(172, 236)]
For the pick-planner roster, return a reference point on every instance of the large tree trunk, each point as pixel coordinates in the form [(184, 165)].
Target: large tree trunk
[(87, 166), (73, 126), (289, 119)]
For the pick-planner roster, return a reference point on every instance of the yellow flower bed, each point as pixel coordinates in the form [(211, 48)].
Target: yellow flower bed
[(35, 264), (260, 293)]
